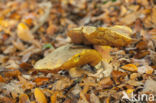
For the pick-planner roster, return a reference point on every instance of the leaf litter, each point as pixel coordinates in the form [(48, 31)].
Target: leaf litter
[(65, 51)]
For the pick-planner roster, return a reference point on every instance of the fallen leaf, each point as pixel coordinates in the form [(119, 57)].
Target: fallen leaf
[(41, 80), (25, 84), (53, 98), (39, 96), (14, 73), (106, 83), (1, 79), (150, 86), (118, 76), (94, 98), (23, 98), (153, 16), (145, 69), (129, 18), (130, 67), (51, 29), (62, 84), (68, 56), (24, 33)]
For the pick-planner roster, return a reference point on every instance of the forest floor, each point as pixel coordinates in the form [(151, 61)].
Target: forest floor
[(31, 29)]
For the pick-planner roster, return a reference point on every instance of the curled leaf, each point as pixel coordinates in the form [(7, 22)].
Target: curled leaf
[(68, 56)]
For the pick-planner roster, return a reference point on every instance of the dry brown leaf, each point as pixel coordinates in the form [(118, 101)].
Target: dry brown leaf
[(94, 98), (113, 36), (51, 29), (68, 56), (62, 84), (129, 18), (39, 96), (1, 79), (25, 83), (145, 69), (118, 76), (153, 17), (41, 80), (106, 82), (14, 73), (23, 98)]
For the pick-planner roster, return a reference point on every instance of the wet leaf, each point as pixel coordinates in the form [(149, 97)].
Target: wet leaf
[(68, 56), (39, 96)]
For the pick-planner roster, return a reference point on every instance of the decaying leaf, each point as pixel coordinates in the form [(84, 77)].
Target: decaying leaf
[(112, 36), (68, 56), (39, 96)]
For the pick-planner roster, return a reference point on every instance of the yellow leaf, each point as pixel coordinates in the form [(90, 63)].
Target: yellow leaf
[(130, 67), (39, 96), (24, 33), (53, 98), (129, 91)]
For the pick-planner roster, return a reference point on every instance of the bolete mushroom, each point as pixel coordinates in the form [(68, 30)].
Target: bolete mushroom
[(68, 56), (112, 36)]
